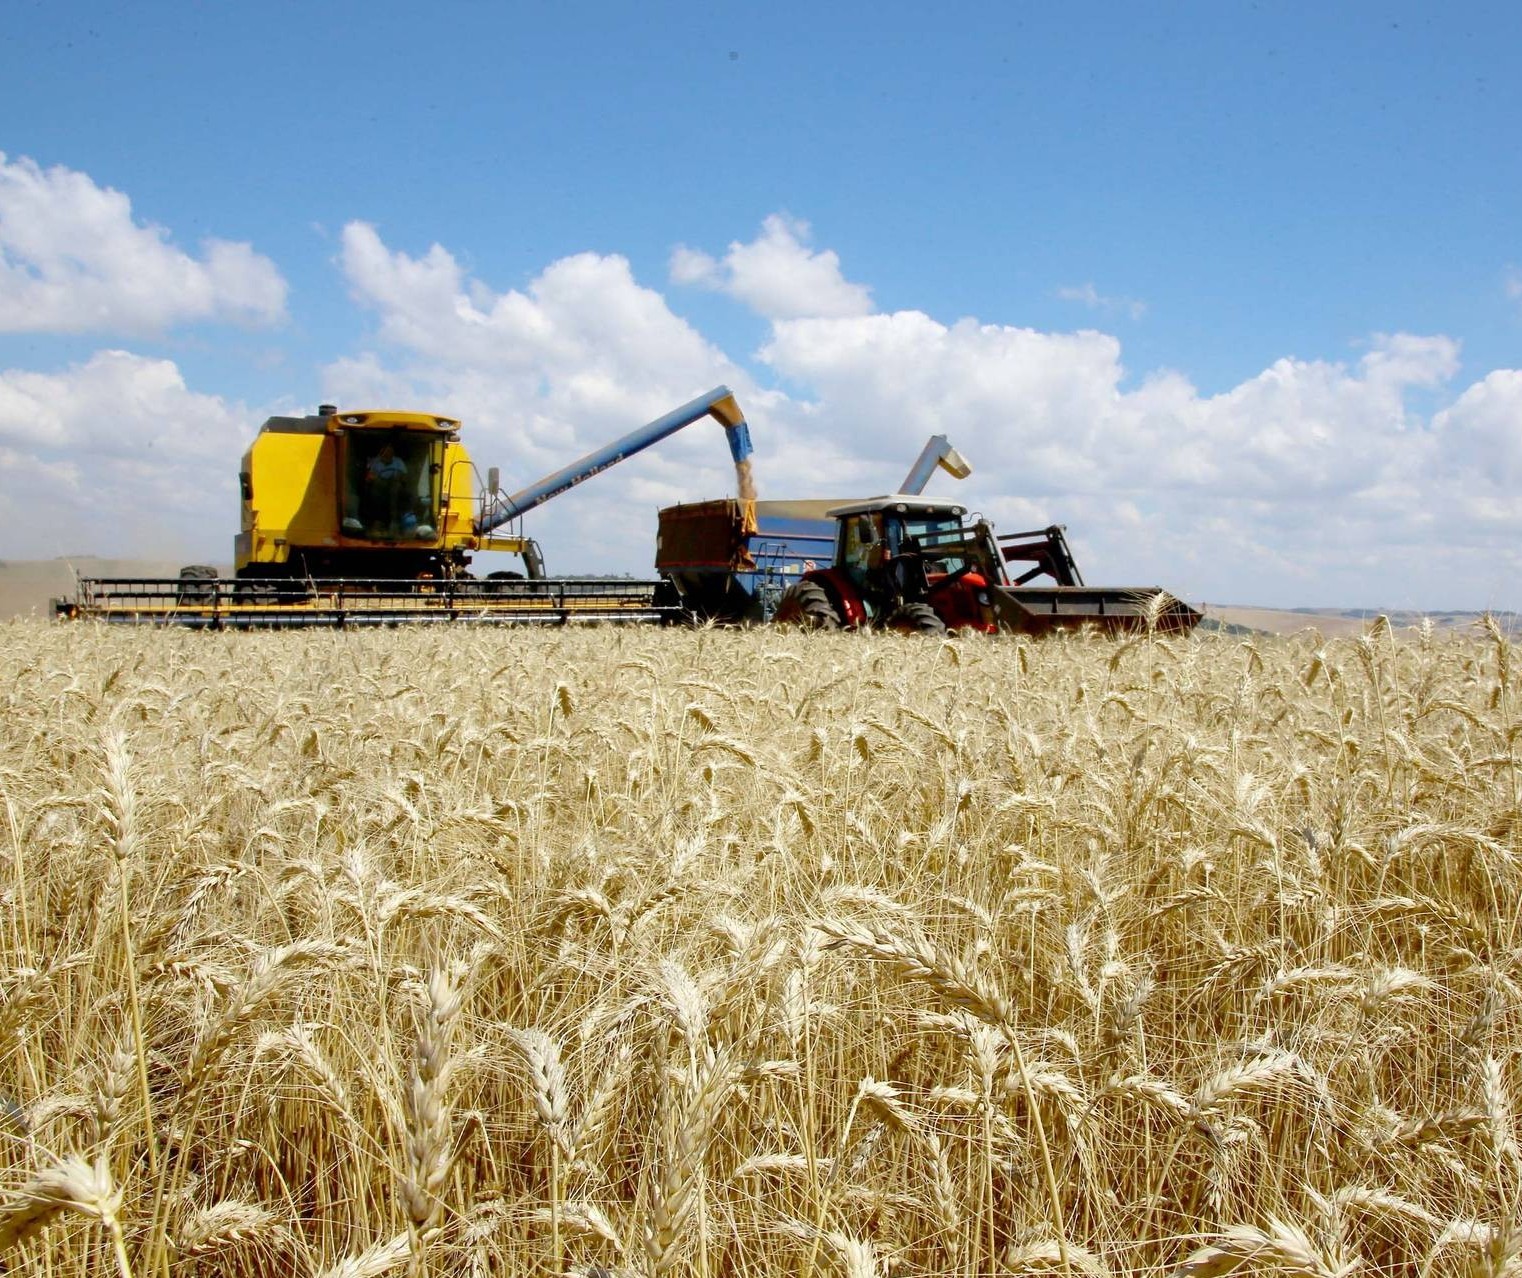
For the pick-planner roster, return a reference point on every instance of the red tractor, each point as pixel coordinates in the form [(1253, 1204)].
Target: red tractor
[(918, 565)]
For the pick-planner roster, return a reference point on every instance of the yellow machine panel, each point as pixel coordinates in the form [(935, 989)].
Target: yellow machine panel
[(282, 505)]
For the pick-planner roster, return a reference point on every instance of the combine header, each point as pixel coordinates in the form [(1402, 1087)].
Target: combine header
[(220, 603), (371, 518)]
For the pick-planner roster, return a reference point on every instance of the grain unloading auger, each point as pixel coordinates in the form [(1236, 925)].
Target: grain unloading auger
[(371, 518)]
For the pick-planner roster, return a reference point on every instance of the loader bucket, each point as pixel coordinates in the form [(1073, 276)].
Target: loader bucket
[(1040, 609)]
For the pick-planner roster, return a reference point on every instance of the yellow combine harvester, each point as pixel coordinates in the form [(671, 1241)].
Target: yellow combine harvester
[(360, 495), (353, 518)]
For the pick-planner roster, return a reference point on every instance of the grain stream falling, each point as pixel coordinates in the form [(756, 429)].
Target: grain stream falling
[(706, 952), (745, 480)]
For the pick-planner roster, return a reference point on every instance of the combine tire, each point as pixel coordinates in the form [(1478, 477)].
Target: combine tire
[(503, 583), (193, 585), (808, 606), (917, 619)]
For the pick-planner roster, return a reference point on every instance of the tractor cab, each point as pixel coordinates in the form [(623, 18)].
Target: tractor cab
[(903, 562), (899, 547), (392, 480)]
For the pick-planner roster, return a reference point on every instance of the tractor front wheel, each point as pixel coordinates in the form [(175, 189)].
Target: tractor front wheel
[(808, 606), (917, 619)]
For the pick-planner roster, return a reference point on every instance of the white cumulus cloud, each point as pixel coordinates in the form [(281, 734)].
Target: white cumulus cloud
[(1478, 441), (73, 260), (776, 274), (117, 455), (1276, 487)]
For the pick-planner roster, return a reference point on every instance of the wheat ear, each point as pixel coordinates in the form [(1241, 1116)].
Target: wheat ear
[(1282, 1247), (71, 1185), (373, 1261), (224, 1224), (427, 1113), (689, 1128), (547, 1086)]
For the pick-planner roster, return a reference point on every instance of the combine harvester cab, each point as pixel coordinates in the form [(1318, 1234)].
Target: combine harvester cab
[(371, 518), (357, 496)]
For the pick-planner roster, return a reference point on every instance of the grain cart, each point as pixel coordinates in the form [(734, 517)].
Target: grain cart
[(909, 563), (352, 518)]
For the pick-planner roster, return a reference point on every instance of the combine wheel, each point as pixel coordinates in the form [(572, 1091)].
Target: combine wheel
[(254, 592), (808, 606), (916, 619), (269, 584), (496, 582), (193, 587), (250, 594)]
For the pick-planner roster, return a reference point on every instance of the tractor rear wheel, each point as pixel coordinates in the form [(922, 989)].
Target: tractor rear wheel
[(916, 619), (808, 606)]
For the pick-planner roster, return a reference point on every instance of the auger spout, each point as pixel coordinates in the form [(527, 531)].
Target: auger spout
[(937, 453)]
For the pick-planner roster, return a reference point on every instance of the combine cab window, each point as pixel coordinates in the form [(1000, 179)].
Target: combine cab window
[(391, 487)]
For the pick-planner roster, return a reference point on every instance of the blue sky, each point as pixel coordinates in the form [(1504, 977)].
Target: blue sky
[(1233, 290)]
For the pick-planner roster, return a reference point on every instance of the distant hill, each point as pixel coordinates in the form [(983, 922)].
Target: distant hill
[(1347, 621)]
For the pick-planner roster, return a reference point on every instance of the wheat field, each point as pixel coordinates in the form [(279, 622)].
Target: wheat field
[(722, 953)]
